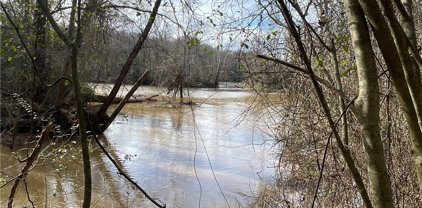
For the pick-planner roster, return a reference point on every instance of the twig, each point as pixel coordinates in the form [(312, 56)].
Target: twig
[(304, 71), (27, 193), (325, 151), (196, 128)]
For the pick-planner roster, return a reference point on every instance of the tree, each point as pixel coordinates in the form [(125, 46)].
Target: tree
[(367, 106), (406, 77)]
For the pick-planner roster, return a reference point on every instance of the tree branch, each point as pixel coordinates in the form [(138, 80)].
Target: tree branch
[(53, 23), (304, 71)]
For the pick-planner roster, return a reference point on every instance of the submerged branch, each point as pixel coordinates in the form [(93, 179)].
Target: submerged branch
[(121, 172), (29, 163)]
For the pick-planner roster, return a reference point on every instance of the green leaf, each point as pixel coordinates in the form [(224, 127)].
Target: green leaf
[(294, 56), (193, 42), (268, 36), (319, 61), (345, 48), (9, 59), (51, 35), (342, 39)]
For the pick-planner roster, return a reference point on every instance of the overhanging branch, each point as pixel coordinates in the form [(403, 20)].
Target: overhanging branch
[(304, 71)]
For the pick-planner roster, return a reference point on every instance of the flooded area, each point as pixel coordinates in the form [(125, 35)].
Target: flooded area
[(208, 155)]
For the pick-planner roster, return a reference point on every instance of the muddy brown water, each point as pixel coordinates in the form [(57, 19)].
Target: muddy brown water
[(210, 155)]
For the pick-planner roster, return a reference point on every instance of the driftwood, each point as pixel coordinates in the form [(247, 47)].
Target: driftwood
[(133, 99)]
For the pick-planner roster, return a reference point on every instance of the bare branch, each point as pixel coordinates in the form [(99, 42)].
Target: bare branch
[(304, 71)]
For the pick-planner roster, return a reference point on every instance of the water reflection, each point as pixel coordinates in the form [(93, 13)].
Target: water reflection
[(159, 147)]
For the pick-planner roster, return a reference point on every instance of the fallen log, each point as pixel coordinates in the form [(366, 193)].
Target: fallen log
[(133, 99)]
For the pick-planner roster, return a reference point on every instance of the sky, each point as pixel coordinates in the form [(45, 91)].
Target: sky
[(220, 23), (224, 24)]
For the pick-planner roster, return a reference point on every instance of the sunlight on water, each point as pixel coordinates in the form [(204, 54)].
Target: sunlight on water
[(169, 152)]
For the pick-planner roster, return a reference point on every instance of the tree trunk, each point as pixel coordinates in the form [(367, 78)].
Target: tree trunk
[(391, 56), (40, 42), (367, 106), (65, 71), (122, 103), (408, 24), (411, 71), (82, 127), (129, 61)]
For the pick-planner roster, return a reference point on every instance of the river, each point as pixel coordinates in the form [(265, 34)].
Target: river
[(209, 155)]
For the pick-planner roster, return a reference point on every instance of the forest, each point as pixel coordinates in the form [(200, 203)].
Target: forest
[(222, 103)]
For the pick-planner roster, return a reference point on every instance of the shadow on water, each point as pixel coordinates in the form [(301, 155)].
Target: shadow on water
[(166, 151)]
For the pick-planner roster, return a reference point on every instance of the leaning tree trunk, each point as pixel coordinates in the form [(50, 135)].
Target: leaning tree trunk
[(403, 44), (129, 61), (367, 106)]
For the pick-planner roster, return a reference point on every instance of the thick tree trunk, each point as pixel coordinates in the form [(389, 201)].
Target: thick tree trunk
[(66, 66), (408, 23), (392, 59), (40, 42), (367, 106)]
